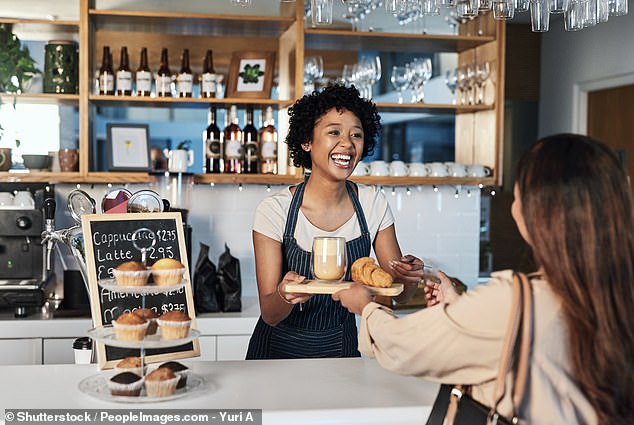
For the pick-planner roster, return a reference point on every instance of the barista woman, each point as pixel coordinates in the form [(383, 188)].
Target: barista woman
[(330, 132)]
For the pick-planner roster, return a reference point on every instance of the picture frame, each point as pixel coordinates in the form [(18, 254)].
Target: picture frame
[(128, 147), (251, 75)]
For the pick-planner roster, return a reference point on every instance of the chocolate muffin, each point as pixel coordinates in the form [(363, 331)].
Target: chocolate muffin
[(149, 315), (125, 384)]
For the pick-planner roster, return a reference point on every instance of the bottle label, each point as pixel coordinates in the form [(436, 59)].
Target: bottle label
[(213, 148), (251, 152), (233, 149), (106, 82), (163, 83), (124, 81), (184, 83), (208, 83), (269, 150), (143, 81)]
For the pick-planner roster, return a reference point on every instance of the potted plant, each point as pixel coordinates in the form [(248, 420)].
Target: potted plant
[(16, 64)]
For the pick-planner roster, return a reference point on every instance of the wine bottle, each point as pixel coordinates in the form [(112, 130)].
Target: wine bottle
[(185, 78), (233, 143), (124, 75), (106, 75), (208, 77), (267, 136), (213, 145), (164, 77), (250, 136), (143, 76)]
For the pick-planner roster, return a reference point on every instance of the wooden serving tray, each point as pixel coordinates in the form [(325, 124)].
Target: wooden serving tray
[(325, 287)]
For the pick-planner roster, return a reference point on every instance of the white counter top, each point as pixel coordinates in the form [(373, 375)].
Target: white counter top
[(44, 325), (316, 391)]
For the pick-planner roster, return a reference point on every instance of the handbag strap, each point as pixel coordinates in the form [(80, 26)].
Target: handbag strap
[(521, 313)]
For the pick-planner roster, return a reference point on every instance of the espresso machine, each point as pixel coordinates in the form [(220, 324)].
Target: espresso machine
[(25, 282)]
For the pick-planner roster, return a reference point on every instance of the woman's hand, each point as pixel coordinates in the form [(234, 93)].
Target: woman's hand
[(354, 298), (289, 297), (443, 292), (407, 269)]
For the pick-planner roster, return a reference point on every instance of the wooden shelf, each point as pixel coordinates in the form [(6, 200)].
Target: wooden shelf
[(40, 177), (117, 177), (430, 108), (321, 39), (247, 179), (190, 23), (70, 24), (40, 98), (184, 101)]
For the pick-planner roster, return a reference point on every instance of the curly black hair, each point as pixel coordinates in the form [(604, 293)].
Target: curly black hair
[(306, 111)]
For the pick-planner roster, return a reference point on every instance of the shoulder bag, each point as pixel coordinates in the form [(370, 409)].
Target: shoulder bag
[(455, 406)]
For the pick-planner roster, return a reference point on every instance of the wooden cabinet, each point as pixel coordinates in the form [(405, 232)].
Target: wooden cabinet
[(478, 127)]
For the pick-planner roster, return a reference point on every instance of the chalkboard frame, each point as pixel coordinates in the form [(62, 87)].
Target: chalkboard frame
[(103, 359)]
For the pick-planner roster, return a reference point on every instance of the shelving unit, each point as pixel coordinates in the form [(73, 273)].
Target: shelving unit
[(479, 128)]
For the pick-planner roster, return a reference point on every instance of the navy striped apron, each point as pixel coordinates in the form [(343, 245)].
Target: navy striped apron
[(322, 327)]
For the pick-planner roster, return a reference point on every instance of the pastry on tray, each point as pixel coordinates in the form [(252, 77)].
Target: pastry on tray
[(179, 370), (130, 327), (130, 364), (149, 315), (366, 271), (174, 324), (131, 273), (125, 384), (161, 382), (167, 271)]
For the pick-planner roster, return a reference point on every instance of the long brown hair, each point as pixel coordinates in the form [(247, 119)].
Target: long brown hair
[(577, 207)]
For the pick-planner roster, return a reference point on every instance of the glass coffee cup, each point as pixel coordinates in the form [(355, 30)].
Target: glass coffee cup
[(328, 259)]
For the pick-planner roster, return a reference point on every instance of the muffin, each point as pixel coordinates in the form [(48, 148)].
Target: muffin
[(130, 327), (130, 364), (125, 384), (161, 382), (179, 370), (174, 324), (131, 273), (149, 315), (167, 271)]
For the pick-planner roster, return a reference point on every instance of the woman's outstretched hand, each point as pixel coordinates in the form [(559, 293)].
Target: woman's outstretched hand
[(437, 293), (408, 269), (354, 298)]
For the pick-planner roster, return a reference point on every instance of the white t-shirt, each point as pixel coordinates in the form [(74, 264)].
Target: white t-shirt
[(271, 214)]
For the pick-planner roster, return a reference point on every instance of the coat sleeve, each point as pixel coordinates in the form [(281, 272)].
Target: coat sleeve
[(452, 343)]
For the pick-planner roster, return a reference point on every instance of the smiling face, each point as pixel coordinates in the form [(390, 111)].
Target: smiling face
[(337, 144)]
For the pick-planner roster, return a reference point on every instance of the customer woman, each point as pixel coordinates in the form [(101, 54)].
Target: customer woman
[(330, 131), (573, 206)]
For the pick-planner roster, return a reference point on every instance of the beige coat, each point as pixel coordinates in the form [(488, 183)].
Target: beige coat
[(461, 343)]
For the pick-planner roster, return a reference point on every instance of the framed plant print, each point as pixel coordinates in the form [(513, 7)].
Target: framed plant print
[(251, 75)]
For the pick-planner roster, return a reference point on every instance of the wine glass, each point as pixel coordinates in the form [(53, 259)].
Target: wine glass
[(400, 79), (483, 70), (451, 80), (328, 259)]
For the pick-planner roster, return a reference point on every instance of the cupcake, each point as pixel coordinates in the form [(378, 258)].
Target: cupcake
[(131, 273), (174, 324), (168, 271), (179, 370), (161, 382), (149, 315), (130, 364), (125, 384), (130, 327)]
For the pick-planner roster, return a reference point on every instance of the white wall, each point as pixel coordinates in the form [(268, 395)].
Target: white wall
[(435, 226), (569, 58)]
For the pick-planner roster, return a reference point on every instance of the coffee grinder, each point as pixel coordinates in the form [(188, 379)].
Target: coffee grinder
[(25, 281)]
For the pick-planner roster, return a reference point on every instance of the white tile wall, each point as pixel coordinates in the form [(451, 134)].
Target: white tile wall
[(434, 225)]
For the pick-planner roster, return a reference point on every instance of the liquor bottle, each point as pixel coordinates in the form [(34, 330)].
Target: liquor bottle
[(208, 77), (213, 144), (124, 75), (233, 143), (106, 75), (143, 76), (164, 77), (185, 78), (250, 137), (267, 136)]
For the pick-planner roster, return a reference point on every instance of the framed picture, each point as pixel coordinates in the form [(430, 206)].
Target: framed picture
[(128, 147), (251, 75)]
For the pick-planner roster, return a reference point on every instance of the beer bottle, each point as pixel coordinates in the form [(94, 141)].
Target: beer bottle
[(185, 78), (164, 77), (124, 75), (208, 77), (106, 75), (143, 76)]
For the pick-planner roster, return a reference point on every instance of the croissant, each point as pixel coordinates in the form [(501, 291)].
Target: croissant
[(366, 271)]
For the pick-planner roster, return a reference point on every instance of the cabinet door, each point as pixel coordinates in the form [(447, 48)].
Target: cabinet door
[(233, 347), (21, 351), (58, 351)]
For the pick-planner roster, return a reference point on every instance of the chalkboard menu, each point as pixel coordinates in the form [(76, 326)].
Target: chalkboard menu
[(110, 240)]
